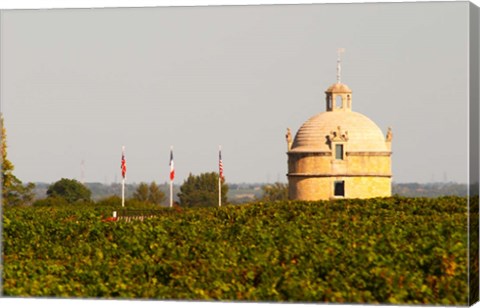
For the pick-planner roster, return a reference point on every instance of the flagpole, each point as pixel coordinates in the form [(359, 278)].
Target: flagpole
[(124, 169), (219, 177), (172, 175), (171, 193), (123, 192)]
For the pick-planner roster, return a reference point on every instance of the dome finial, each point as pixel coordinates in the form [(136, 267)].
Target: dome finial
[(339, 68)]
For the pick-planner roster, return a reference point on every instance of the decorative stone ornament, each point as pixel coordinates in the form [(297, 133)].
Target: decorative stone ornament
[(288, 136), (389, 135), (338, 135)]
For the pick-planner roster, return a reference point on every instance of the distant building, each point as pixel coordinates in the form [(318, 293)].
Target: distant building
[(339, 153)]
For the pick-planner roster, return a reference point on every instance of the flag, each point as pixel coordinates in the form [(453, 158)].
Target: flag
[(172, 168), (123, 165), (220, 165)]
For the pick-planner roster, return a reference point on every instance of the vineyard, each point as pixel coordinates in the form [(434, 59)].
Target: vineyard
[(389, 250)]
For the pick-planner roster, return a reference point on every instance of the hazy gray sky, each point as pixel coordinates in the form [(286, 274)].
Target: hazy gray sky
[(77, 84)]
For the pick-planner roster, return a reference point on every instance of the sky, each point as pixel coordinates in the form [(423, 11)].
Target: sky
[(78, 84)]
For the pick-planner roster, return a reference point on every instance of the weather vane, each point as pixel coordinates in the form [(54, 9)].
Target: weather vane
[(339, 68)]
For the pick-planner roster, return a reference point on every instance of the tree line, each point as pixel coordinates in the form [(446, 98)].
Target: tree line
[(196, 191)]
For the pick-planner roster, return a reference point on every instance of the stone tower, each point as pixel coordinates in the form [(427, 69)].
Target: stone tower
[(339, 153)]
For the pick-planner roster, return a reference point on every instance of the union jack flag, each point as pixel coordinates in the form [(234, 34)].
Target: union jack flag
[(123, 165)]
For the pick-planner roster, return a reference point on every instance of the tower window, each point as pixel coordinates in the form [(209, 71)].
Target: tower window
[(338, 102), (339, 189), (339, 151)]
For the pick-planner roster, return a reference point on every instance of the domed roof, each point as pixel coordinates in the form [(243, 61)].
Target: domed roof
[(338, 88), (363, 133)]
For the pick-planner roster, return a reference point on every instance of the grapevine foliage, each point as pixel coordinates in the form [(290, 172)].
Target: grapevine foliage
[(387, 250)]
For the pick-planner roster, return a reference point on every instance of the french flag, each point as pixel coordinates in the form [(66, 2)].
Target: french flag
[(172, 168)]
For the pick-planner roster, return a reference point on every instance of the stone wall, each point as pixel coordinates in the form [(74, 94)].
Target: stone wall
[(365, 175), (322, 188)]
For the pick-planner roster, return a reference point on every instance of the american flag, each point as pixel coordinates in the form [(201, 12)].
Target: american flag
[(123, 165), (220, 165), (172, 168)]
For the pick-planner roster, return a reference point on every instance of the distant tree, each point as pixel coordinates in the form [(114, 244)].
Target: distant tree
[(70, 190), (275, 192), (20, 194), (155, 195), (202, 190), (8, 179), (13, 191), (141, 193), (149, 193)]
